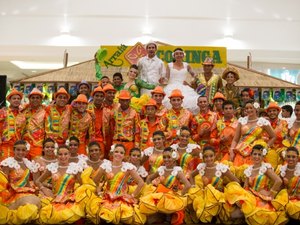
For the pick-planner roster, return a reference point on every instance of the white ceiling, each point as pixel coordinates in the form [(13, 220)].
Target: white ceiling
[(30, 30)]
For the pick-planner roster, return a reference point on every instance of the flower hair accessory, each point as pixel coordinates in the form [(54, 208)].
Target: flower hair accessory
[(174, 154), (256, 105), (112, 148), (67, 143), (27, 146), (264, 151)]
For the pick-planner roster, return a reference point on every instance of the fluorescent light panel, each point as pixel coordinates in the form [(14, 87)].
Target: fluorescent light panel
[(39, 65)]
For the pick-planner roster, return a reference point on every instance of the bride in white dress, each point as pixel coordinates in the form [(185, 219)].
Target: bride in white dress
[(176, 74)]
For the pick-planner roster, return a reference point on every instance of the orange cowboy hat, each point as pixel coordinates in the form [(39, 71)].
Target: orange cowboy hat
[(109, 87), (151, 102), (158, 90), (233, 70), (14, 92), (81, 98), (208, 61), (97, 89), (219, 95), (36, 91), (61, 91), (176, 93), (124, 94), (273, 105)]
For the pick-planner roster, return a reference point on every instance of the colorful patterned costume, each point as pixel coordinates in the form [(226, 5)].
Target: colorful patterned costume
[(35, 129), (126, 128), (280, 128), (15, 187), (187, 160), (135, 88), (65, 207), (147, 130), (155, 159), (247, 139), (224, 129), (232, 94), (257, 208), (12, 124), (207, 120), (173, 121), (57, 123), (208, 201), (82, 126), (165, 198), (115, 206), (207, 88), (290, 195)]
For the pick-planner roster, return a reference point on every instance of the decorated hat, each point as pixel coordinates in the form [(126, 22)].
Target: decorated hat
[(151, 102), (85, 83), (208, 61), (124, 94), (151, 42), (108, 87), (176, 93), (98, 89), (81, 98), (36, 91), (158, 90), (14, 92), (62, 91), (273, 105), (231, 70), (219, 95)]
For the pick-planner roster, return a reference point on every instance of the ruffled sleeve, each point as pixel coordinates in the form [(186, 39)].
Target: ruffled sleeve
[(127, 166), (106, 165), (74, 168), (52, 167), (263, 122), (148, 151), (191, 147), (11, 163), (32, 165), (161, 170), (175, 171)]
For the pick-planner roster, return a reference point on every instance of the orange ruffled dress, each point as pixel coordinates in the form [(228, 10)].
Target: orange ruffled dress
[(13, 188), (209, 200), (164, 198), (290, 197), (116, 205), (257, 208), (65, 207)]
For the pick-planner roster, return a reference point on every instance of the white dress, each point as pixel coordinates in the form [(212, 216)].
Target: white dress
[(176, 82)]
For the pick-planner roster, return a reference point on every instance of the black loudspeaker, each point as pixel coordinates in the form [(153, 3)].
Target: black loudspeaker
[(2, 90)]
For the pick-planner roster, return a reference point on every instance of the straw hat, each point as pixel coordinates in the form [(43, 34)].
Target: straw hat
[(158, 90), (81, 98), (231, 70), (124, 94), (61, 91), (219, 95), (176, 93), (273, 105), (14, 92), (109, 87), (208, 61), (36, 91), (98, 89)]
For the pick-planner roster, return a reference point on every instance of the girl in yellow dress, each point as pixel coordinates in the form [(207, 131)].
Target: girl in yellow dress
[(260, 188), (18, 201), (167, 197), (153, 156), (62, 207), (209, 201), (114, 204), (48, 156), (249, 129), (188, 153), (290, 175)]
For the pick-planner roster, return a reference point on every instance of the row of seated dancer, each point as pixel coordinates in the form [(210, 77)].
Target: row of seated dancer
[(181, 183)]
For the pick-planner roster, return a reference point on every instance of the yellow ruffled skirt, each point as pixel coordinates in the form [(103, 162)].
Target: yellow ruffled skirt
[(114, 209), (255, 210)]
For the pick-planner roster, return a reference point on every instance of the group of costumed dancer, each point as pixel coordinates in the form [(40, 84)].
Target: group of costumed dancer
[(101, 161)]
